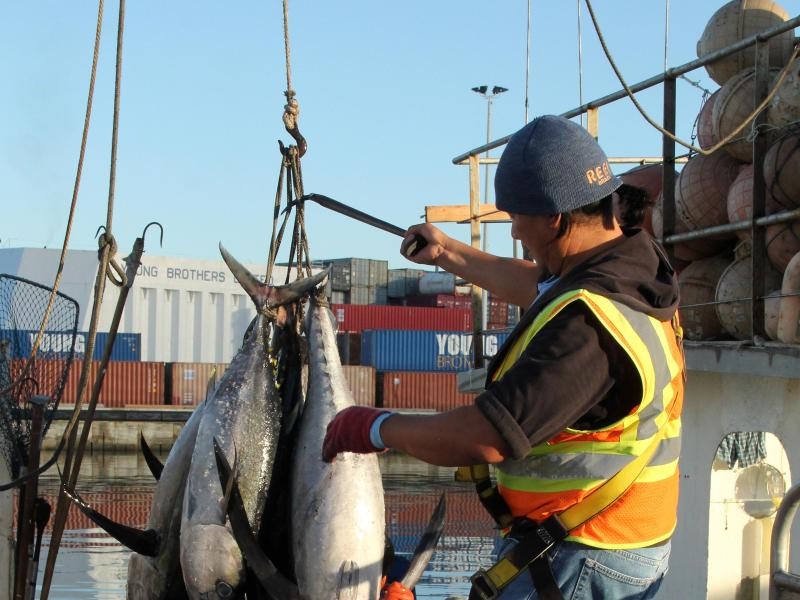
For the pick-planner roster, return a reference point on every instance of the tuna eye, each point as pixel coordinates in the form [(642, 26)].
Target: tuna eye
[(224, 590)]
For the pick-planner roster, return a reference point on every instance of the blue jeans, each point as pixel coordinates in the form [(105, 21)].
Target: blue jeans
[(584, 573)]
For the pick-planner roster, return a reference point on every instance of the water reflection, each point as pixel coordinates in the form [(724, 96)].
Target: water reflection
[(93, 565)]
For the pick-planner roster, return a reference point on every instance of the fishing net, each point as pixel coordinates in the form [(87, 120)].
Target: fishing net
[(22, 308)]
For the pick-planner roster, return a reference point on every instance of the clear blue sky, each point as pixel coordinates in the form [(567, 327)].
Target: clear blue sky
[(384, 90)]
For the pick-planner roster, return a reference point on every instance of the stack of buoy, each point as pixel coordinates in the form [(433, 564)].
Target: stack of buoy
[(718, 188)]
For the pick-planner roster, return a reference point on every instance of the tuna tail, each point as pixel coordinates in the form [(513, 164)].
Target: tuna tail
[(155, 465), (349, 578), (141, 541), (267, 296), (426, 546)]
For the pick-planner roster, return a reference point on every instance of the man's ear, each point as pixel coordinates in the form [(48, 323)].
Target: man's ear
[(554, 222)]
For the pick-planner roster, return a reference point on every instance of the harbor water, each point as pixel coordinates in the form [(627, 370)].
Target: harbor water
[(92, 565)]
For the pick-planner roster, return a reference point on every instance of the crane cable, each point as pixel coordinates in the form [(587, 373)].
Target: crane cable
[(290, 175), (731, 136)]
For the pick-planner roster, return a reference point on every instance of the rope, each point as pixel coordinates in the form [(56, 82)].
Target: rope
[(731, 137), (70, 470), (288, 51)]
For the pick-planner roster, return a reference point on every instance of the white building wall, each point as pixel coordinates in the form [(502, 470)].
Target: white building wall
[(186, 310)]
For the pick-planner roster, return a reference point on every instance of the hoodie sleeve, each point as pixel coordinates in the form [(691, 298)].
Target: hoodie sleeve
[(572, 373)]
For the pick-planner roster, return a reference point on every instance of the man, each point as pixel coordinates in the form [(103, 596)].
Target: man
[(590, 379)]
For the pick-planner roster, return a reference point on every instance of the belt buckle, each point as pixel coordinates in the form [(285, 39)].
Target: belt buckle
[(486, 590)]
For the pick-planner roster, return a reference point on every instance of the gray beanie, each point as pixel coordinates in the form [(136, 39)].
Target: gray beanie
[(552, 166)]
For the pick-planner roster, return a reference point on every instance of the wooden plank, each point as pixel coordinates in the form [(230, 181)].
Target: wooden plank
[(455, 213)]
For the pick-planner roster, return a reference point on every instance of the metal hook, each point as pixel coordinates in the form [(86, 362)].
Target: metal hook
[(161, 229), (99, 229)]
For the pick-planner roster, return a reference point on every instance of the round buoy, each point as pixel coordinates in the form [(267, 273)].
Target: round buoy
[(690, 250), (705, 127), (772, 309), (701, 191), (740, 200), (782, 171), (734, 293), (783, 242), (785, 106), (734, 104), (698, 285), (738, 20), (789, 316)]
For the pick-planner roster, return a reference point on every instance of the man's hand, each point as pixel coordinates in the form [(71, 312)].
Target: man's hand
[(437, 243), (349, 432), (396, 591)]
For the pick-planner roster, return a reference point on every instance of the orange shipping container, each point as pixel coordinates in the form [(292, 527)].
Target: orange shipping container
[(361, 381), (132, 384), (190, 381), (416, 390)]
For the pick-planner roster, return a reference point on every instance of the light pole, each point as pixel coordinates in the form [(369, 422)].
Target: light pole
[(483, 90)]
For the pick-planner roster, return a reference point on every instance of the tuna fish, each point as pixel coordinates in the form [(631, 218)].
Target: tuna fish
[(337, 509), (244, 416)]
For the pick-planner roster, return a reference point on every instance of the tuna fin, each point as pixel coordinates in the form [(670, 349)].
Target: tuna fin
[(155, 465), (141, 541), (349, 578), (264, 295), (426, 546), (274, 583)]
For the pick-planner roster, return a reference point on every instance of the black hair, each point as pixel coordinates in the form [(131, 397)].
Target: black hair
[(603, 209), (633, 205)]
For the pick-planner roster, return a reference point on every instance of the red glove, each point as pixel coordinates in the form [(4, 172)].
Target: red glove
[(396, 591), (349, 432)]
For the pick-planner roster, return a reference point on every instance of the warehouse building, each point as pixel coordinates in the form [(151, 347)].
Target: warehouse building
[(185, 310)]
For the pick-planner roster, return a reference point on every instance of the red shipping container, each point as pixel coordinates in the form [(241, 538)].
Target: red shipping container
[(415, 390), (190, 381), (356, 318), (361, 382), (440, 301), (132, 384)]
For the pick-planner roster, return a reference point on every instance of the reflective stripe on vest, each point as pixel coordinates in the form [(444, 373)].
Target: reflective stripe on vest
[(560, 472)]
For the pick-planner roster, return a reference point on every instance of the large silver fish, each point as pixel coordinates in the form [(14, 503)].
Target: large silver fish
[(244, 417), (337, 516)]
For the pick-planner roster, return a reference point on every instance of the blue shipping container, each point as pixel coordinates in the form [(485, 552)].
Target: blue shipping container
[(404, 350), (57, 344)]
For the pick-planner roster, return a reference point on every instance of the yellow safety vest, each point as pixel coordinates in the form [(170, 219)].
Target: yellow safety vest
[(560, 472)]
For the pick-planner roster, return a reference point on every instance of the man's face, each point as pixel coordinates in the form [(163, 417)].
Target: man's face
[(536, 233)]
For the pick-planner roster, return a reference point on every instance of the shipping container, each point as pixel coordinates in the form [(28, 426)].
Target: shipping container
[(361, 381), (404, 282), (437, 283), (439, 301), (349, 346), (368, 295), (47, 375), (187, 383), (399, 350), (59, 344), (131, 384), (357, 318), (421, 391)]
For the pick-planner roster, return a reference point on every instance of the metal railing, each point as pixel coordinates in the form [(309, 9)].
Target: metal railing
[(759, 220)]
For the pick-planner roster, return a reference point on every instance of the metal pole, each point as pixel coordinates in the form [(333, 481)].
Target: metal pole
[(26, 523)]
